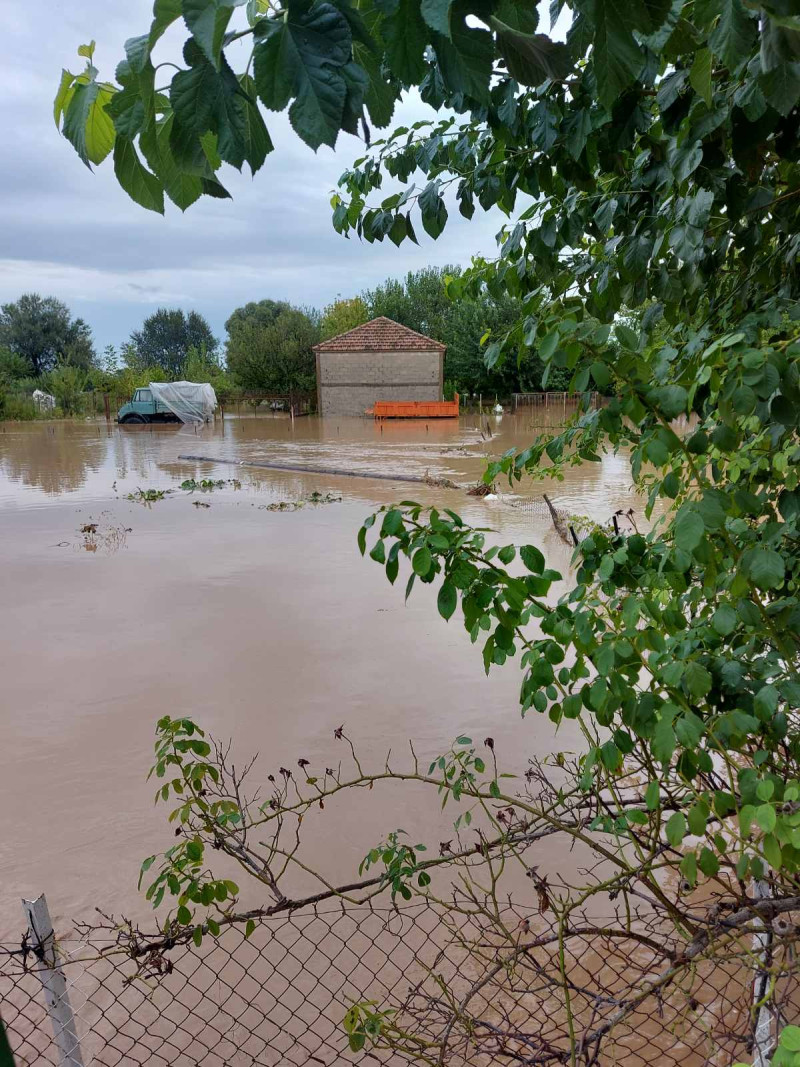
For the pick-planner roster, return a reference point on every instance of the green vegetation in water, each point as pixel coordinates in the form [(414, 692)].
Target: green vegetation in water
[(206, 485), (296, 505), (147, 496)]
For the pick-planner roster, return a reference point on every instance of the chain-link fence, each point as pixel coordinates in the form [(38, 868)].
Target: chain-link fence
[(466, 988)]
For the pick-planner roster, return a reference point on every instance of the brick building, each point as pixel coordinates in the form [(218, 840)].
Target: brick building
[(380, 360)]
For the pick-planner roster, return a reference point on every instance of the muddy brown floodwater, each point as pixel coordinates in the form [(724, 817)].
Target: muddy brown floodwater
[(265, 626)]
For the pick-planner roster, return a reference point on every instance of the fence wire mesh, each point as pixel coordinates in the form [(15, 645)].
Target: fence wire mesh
[(279, 996)]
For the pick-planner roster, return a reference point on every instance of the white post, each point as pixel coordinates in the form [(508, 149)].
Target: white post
[(42, 941), (763, 1036)]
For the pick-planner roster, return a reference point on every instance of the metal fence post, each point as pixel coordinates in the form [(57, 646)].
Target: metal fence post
[(42, 940), (763, 1026)]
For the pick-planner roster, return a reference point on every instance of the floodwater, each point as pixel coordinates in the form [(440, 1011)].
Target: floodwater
[(265, 626)]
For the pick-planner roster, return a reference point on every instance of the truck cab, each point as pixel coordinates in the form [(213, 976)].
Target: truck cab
[(144, 408)]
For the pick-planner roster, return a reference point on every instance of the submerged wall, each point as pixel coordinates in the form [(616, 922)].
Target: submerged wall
[(350, 382)]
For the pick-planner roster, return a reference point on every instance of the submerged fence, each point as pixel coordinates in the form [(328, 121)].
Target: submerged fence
[(459, 997)]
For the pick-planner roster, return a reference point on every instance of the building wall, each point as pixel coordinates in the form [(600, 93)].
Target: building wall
[(350, 382)]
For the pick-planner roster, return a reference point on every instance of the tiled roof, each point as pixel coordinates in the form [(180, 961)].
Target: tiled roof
[(380, 335)]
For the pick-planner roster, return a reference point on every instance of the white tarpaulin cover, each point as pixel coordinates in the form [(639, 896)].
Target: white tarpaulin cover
[(190, 401)]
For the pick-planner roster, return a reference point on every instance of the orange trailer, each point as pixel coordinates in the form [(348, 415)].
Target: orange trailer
[(415, 409)]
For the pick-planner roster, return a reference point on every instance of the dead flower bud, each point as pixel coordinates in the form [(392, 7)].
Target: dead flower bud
[(489, 742), (338, 733), (525, 926), (445, 846), (302, 763), (285, 773)]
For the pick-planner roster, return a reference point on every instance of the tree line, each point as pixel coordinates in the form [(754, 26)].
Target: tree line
[(267, 348)]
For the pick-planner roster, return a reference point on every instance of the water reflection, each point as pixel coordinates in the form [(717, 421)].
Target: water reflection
[(92, 461)]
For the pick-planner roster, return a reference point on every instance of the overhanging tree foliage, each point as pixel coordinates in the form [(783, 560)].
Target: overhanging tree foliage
[(648, 163)]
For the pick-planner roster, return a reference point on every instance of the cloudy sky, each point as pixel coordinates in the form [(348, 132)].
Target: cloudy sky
[(73, 234)]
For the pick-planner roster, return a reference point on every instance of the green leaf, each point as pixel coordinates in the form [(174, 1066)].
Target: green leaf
[(532, 558), (790, 1038), (696, 679), (87, 125), (182, 188), (302, 57), (663, 743), (422, 561), (617, 58), (700, 75), (772, 852), (734, 35), (437, 15), (63, 96), (447, 599), (676, 828), (651, 795), (708, 863), (207, 21), (140, 185), (184, 915), (688, 529), (257, 141), (766, 817), (406, 37), (672, 400), (764, 567), (724, 620), (781, 86), (689, 868), (465, 63), (531, 58)]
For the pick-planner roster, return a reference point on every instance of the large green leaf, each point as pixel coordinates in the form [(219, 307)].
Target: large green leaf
[(206, 99), (302, 57), (437, 14), (406, 36), (531, 58), (87, 125), (381, 95), (617, 58), (63, 96), (182, 188), (207, 21), (734, 33), (781, 86), (136, 179), (764, 567), (257, 141), (465, 62)]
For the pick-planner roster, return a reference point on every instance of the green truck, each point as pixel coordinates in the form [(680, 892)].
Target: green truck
[(144, 407), (193, 402)]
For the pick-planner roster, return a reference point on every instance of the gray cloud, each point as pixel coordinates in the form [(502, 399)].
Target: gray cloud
[(75, 235)]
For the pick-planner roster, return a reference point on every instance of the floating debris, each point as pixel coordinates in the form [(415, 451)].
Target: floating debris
[(95, 538), (201, 504), (482, 489), (439, 483)]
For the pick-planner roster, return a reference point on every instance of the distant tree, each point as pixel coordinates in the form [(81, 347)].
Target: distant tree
[(67, 383), (343, 315), (40, 330), (165, 339), (12, 366), (271, 352), (257, 312)]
